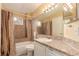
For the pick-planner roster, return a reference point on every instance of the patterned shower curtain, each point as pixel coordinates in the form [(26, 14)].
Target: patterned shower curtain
[(7, 38)]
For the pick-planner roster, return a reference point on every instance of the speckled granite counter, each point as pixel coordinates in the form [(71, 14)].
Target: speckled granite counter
[(64, 45)]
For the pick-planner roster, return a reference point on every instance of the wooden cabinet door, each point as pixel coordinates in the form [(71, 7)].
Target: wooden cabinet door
[(39, 49), (49, 52)]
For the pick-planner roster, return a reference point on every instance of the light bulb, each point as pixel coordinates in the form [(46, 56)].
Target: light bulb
[(65, 8), (43, 11), (15, 19), (38, 23), (56, 6), (49, 6), (52, 3), (52, 8), (49, 9), (70, 6)]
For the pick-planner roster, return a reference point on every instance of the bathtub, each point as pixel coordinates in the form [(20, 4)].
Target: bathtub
[(21, 47)]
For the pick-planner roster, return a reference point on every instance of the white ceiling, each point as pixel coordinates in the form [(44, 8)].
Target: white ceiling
[(22, 7)]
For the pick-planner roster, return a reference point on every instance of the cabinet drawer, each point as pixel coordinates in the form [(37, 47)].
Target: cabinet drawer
[(39, 49), (54, 52)]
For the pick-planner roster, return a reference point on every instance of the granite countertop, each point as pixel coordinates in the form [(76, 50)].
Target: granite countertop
[(64, 45)]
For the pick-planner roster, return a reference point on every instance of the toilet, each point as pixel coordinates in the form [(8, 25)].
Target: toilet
[(30, 49)]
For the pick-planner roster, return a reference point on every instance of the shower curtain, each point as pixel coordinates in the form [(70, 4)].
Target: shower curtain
[(7, 39), (29, 30)]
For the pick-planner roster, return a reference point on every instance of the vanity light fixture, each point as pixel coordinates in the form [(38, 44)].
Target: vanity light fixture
[(52, 3), (46, 10), (56, 6), (65, 8), (70, 6), (38, 23), (15, 19), (43, 11), (50, 7)]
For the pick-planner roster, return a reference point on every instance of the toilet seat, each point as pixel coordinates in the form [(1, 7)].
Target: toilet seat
[(30, 49)]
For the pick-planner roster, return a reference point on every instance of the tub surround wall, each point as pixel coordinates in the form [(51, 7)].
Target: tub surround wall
[(23, 32), (19, 31)]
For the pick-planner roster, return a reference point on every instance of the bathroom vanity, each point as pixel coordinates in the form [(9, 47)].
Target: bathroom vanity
[(59, 25), (42, 50), (54, 47)]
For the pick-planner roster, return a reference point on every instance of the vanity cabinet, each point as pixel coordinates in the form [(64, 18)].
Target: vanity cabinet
[(53, 52), (39, 49), (42, 50)]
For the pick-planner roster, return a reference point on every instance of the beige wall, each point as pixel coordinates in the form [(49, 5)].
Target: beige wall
[(77, 10), (19, 33), (57, 26), (0, 28), (72, 32)]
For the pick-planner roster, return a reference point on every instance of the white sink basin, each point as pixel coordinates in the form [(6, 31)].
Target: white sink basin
[(45, 39)]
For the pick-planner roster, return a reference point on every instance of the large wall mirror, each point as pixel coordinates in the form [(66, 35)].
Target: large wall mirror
[(69, 13), (44, 27), (71, 21), (51, 22)]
